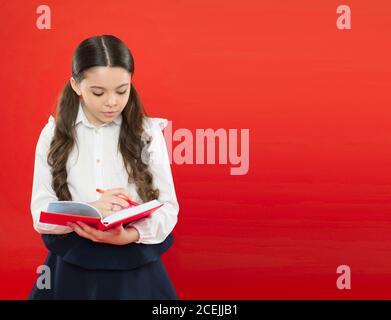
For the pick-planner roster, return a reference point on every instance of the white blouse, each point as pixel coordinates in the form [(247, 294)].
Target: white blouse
[(95, 163)]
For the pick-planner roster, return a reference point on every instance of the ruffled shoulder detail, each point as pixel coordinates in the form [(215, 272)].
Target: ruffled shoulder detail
[(160, 122), (51, 121), (153, 123), (47, 132)]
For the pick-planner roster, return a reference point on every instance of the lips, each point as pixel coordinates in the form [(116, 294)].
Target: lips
[(109, 114)]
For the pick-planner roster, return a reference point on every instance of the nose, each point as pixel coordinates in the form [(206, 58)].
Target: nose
[(112, 101)]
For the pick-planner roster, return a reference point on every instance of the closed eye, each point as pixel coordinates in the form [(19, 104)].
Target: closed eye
[(101, 94)]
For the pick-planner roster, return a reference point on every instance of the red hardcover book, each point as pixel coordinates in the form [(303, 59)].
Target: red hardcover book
[(62, 212)]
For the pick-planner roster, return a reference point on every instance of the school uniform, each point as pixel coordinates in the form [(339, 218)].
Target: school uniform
[(79, 267)]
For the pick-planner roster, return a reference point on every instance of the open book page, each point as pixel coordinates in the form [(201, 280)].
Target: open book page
[(132, 211), (74, 207)]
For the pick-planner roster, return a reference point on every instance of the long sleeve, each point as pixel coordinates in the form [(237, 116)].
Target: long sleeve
[(159, 225), (42, 191)]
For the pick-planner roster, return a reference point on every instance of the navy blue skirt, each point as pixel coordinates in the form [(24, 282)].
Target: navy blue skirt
[(83, 269)]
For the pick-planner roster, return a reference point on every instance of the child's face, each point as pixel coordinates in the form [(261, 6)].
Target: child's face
[(105, 92)]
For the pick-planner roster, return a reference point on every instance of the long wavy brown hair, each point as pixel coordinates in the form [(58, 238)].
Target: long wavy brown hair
[(104, 50)]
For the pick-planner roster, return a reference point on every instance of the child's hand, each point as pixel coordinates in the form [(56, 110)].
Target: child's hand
[(111, 201), (118, 235)]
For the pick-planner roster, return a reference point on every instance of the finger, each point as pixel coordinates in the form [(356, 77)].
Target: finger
[(116, 230), (119, 201), (81, 232), (120, 191), (123, 197), (91, 231), (116, 207), (70, 224), (110, 208)]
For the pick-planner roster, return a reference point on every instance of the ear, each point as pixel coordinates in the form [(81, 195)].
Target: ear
[(75, 86)]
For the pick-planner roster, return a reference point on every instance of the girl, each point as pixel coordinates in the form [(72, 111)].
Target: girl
[(102, 138)]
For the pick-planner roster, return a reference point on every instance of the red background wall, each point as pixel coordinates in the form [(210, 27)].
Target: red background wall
[(316, 101)]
